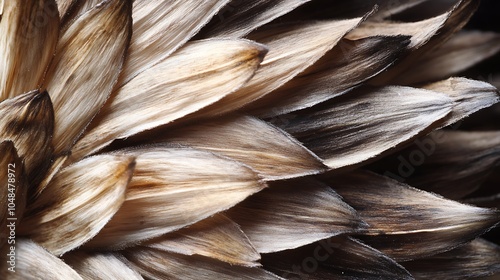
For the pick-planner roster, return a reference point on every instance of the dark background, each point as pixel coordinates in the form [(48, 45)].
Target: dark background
[(487, 17)]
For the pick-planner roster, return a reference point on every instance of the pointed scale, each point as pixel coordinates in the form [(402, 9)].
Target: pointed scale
[(406, 223), (469, 96), (78, 83), (292, 214), (172, 188), (361, 125), (78, 202), (178, 86), (448, 24), (271, 152), (162, 27), (311, 40), (216, 237), (342, 69)]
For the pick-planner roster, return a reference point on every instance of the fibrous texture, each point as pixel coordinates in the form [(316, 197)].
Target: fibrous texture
[(262, 139)]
